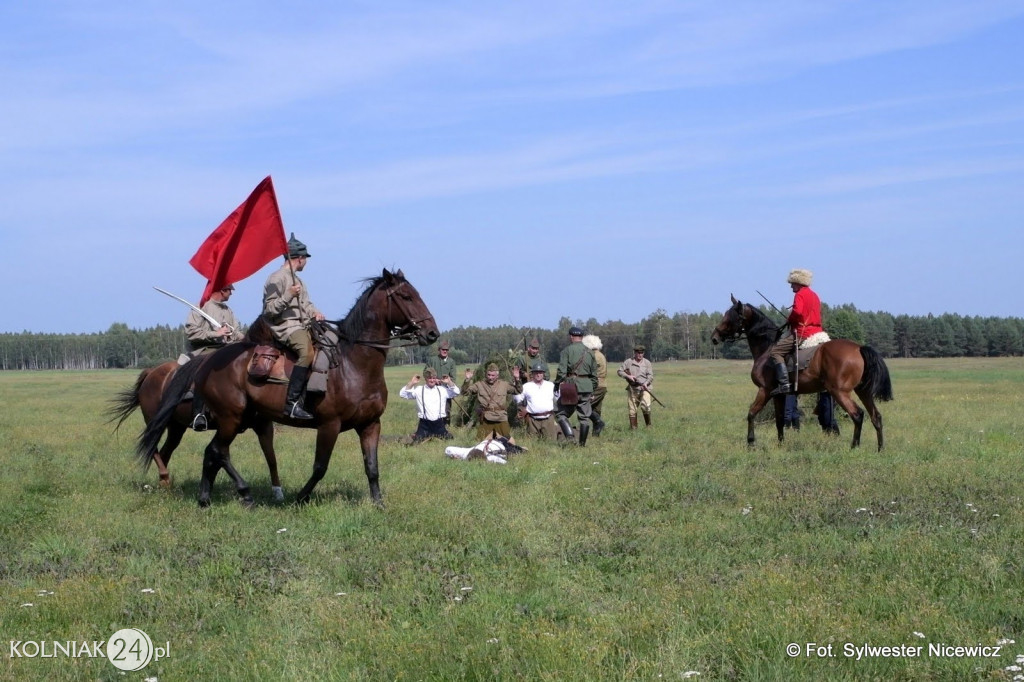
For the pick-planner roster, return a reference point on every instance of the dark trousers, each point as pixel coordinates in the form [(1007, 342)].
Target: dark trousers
[(431, 428)]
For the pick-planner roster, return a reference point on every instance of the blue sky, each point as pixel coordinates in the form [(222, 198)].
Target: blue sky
[(519, 161)]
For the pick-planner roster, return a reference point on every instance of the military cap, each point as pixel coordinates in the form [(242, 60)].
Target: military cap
[(296, 249), (575, 331), (640, 347), (444, 346), (492, 367), (535, 344), (537, 367)]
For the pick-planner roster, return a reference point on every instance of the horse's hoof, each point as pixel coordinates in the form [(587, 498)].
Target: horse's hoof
[(246, 502), (166, 482), (278, 493), (204, 502)]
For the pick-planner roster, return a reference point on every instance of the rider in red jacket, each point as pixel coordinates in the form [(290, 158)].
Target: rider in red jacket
[(804, 321)]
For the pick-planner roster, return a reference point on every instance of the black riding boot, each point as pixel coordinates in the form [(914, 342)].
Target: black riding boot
[(647, 418), (782, 375), (199, 421), (598, 424), (296, 394), (566, 428), (584, 432)]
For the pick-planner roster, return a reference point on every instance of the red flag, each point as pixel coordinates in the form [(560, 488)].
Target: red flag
[(248, 239)]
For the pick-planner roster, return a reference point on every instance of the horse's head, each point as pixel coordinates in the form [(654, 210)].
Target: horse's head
[(733, 323), (407, 315)]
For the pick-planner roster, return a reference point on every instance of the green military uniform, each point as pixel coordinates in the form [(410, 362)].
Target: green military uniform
[(577, 364), (492, 403)]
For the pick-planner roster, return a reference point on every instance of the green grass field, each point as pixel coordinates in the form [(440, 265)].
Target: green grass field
[(670, 553)]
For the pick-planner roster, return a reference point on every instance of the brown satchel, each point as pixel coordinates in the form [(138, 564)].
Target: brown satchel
[(262, 362), (567, 393)]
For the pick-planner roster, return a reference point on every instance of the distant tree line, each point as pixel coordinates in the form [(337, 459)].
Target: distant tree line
[(682, 336)]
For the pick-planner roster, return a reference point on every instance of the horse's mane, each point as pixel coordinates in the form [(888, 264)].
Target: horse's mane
[(354, 322), (762, 325)]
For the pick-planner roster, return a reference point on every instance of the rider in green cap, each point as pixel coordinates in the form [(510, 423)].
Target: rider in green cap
[(288, 310)]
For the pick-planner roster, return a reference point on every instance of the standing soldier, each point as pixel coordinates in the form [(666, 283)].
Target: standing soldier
[(287, 310), (203, 339), (492, 396), (527, 363), (597, 399), (639, 375), (578, 369)]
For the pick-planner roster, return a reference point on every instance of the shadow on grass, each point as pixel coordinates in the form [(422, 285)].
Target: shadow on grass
[(186, 489)]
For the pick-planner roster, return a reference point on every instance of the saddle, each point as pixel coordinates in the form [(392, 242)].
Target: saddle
[(272, 362), (806, 352)]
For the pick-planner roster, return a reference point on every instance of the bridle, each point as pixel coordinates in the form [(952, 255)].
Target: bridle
[(408, 332), (740, 333)]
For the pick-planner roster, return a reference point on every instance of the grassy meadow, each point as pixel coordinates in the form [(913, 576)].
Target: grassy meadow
[(669, 553)]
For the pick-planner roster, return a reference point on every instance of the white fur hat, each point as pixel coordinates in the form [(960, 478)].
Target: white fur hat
[(592, 342), (800, 276)]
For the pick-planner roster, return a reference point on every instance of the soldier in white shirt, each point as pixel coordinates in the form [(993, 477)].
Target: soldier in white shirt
[(431, 398), (539, 396)]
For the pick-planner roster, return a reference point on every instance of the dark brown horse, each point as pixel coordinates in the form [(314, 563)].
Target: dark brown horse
[(147, 394), (356, 396), (839, 367)]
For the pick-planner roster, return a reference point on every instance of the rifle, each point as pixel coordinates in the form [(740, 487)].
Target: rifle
[(654, 397)]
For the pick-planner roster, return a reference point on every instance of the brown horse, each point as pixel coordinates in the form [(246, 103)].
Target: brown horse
[(839, 367), (356, 396), (147, 394)]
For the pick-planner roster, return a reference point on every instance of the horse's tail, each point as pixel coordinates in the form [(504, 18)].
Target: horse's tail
[(150, 436), (125, 402), (875, 379)]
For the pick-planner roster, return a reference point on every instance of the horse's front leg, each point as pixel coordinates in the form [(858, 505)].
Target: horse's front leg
[(326, 437), (369, 436), (755, 408), (265, 435)]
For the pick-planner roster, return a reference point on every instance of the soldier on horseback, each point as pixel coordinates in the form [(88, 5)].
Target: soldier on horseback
[(804, 321), (287, 310)]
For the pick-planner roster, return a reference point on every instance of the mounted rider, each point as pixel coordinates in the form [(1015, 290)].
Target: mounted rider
[(804, 321), (204, 339), (288, 311)]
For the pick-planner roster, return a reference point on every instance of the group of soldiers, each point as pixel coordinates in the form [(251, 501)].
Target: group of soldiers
[(545, 406)]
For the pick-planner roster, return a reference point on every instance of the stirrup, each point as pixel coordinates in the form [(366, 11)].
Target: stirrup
[(781, 389), (295, 411), (199, 423)]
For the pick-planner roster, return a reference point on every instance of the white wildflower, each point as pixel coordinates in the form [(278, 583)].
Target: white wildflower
[(467, 589), (26, 604), (340, 594), (282, 530), (919, 634), (148, 590), (690, 673), (746, 510), (492, 640), (858, 510)]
